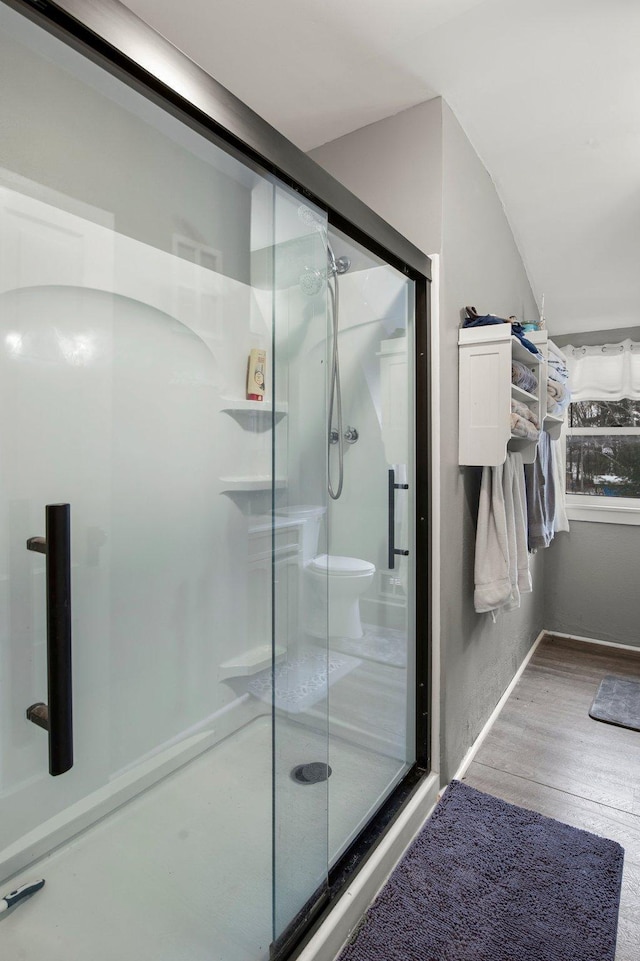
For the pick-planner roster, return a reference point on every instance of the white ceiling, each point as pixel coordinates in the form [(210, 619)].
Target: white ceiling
[(548, 92)]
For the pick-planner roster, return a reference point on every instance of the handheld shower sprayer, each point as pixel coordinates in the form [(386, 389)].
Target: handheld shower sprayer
[(308, 217), (336, 265)]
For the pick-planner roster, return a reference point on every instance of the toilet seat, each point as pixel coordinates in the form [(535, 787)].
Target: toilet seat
[(338, 566)]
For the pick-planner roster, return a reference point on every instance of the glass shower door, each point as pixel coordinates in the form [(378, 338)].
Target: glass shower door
[(137, 265), (300, 670), (233, 728), (372, 577)]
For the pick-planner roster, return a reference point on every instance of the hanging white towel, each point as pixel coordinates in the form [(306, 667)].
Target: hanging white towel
[(502, 560), (560, 519), (513, 601), (492, 580)]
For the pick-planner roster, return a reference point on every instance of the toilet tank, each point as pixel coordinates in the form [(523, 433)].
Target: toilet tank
[(309, 517)]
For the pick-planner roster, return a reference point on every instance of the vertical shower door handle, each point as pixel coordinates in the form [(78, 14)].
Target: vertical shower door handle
[(56, 716), (393, 550)]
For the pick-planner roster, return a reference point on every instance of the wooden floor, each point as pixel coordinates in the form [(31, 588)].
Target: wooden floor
[(545, 753)]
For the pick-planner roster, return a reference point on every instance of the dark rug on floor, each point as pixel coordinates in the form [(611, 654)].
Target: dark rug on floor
[(617, 702), (487, 881)]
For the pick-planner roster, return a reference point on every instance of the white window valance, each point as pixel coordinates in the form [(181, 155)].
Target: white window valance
[(608, 372)]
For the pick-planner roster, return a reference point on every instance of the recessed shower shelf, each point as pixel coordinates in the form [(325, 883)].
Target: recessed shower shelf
[(255, 482), (233, 405)]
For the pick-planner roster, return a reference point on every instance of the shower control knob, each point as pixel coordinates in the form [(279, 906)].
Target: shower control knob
[(334, 436), (351, 435)]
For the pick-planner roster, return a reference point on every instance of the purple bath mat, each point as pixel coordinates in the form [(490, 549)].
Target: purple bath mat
[(488, 881)]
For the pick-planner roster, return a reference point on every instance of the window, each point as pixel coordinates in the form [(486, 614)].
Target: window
[(603, 434), (603, 448)]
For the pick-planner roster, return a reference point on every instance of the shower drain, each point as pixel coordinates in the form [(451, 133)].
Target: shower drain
[(311, 773)]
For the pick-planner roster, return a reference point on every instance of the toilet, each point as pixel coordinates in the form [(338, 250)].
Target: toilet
[(344, 579)]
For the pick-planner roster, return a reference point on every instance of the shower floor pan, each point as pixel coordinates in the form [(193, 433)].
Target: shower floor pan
[(185, 869)]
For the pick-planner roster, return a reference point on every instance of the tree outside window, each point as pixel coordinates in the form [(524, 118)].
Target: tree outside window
[(603, 448)]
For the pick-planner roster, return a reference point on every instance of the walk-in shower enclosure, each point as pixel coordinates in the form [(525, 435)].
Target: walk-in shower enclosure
[(213, 675)]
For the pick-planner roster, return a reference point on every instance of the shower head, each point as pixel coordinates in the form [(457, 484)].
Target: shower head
[(308, 217), (338, 265), (311, 281)]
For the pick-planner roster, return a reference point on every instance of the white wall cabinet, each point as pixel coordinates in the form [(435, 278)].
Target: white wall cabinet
[(486, 391), (551, 423), (485, 394)]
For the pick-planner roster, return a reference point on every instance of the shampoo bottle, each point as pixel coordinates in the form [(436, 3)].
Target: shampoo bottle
[(256, 373)]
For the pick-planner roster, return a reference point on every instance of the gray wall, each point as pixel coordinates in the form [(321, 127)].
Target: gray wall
[(395, 166), (480, 265), (591, 575), (591, 582), (412, 167)]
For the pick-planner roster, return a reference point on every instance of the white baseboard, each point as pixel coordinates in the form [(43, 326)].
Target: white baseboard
[(330, 937), (475, 747), (593, 640), (546, 634)]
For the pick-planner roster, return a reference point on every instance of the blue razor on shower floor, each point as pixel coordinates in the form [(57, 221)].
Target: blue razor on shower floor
[(13, 897)]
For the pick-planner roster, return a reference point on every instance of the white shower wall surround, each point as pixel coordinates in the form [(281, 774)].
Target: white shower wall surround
[(206, 320), (139, 266)]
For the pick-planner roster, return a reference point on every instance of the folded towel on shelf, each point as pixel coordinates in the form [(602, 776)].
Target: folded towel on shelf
[(557, 364), (525, 412), (522, 377), (520, 427), (558, 397), (557, 371), (556, 390)]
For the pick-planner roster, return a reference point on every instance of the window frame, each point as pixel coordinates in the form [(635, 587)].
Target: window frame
[(588, 507)]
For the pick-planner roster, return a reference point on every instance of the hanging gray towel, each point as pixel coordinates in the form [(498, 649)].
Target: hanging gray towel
[(541, 496)]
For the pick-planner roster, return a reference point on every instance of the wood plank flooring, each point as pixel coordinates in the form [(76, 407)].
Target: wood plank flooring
[(545, 753)]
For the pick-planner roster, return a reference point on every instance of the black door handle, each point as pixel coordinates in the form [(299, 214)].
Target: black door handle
[(393, 550), (56, 716)]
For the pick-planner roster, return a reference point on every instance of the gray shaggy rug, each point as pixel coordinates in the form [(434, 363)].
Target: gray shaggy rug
[(617, 701), (488, 881)]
